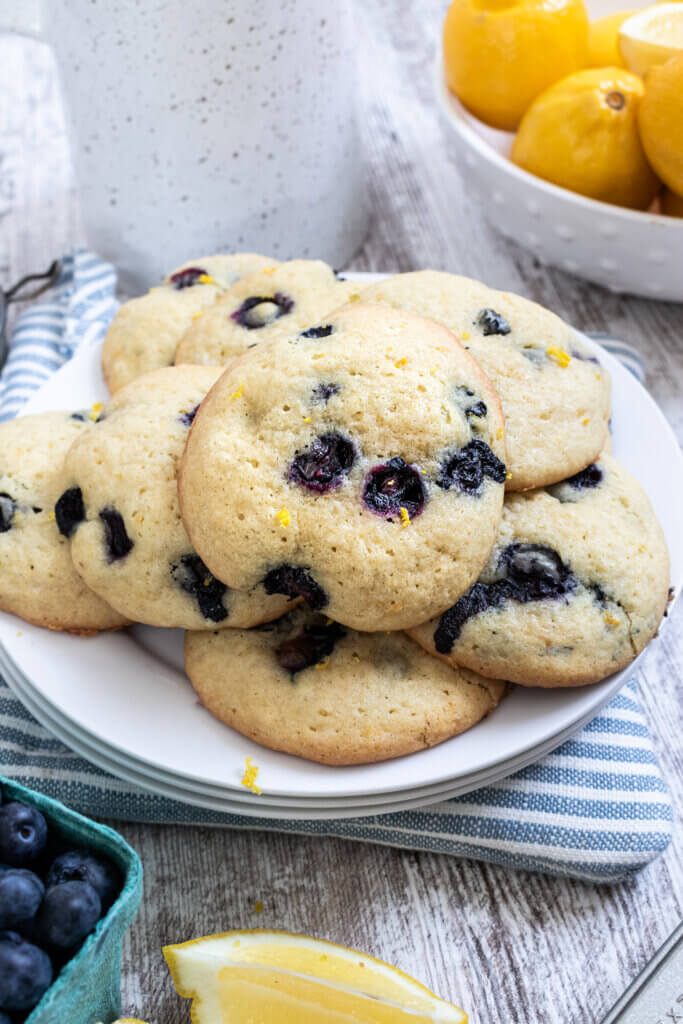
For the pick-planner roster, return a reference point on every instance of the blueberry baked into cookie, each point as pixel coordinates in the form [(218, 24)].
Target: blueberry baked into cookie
[(358, 464), (555, 396), (37, 580), (274, 300), (119, 508), (310, 687), (145, 332), (575, 587)]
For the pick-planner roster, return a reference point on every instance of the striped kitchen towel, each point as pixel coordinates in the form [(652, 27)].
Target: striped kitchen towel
[(596, 809)]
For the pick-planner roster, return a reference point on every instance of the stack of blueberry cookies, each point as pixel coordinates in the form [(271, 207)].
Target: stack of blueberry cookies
[(371, 508)]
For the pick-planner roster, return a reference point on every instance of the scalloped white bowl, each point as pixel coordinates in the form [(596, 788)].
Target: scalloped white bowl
[(623, 250)]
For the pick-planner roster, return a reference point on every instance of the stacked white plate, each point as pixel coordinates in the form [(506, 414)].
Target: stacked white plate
[(123, 701)]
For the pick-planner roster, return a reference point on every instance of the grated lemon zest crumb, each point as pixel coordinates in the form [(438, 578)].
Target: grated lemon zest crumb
[(18, 632), (561, 357), (269, 270), (586, 421), (95, 411), (284, 517), (250, 775), (51, 516), (354, 297), (258, 907), (611, 621), (323, 664), (499, 434), (238, 393), (508, 476), (307, 419), (405, 518), (401, 362), (206, 279), (466, 335), (196, 316)]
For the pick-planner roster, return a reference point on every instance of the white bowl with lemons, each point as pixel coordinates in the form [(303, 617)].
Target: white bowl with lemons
[(625, 250)]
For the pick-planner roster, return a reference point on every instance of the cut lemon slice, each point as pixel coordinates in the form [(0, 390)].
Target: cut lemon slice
[(260, 977), (651, 37)]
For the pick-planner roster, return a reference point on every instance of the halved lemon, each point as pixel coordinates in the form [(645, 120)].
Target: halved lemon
[(259, 977), (651, 37)]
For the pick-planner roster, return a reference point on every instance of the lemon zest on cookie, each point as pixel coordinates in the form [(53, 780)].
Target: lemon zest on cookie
[(354, 297), (465, 335), (400, 363), (268, 270), (196, 316), (284, 517), (499, 434), (206, 279), (95, 411), (508, 476), (561, 357), (405, 518), (307, 419), (51, 516), (611, 621), (238, 393), (586, 421), (251, 771), (323, 664)]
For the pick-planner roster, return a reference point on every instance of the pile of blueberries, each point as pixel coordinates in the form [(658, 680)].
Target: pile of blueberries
[(51, 898)]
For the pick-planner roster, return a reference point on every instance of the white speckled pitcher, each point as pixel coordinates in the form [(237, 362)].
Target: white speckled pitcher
[(201, 127)]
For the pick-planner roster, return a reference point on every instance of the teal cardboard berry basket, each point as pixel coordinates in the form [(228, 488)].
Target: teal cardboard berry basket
[(88, 987)]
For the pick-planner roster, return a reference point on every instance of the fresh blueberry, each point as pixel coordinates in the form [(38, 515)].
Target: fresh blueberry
[(79, 866), (117, 541), (392, 486), (21, 893), (191, 574), (80, 416), (69, 511), (324, 464), (467, 468), (23, 834), (4, 1019), (7, 508), (294, 581), (529, 572), (25, 973), (187, 418), (320, 331), (310, 646), (536, 570), (186, 278), (259, 310), (68, 913), (323, 392), (492, 322), (589, 477), (464, 396)]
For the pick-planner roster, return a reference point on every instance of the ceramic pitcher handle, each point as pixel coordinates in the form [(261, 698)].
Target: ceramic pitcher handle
[(23, 17)]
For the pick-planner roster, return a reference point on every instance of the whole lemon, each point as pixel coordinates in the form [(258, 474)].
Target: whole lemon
[(603, 46), (582, 134), (660, 119), (672, 204), (500, 54)]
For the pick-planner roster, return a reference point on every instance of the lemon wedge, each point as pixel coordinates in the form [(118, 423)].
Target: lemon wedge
[(258, 977), (651, 37)]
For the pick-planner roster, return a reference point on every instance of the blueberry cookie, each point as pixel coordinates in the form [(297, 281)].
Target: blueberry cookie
[(120, 509), (554, 393), (308, 686), (145, 332), (575, 587), (358, 464), (284, 299), (37, 579)]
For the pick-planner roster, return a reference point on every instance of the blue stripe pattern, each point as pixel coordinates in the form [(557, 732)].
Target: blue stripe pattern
[(596, 809)]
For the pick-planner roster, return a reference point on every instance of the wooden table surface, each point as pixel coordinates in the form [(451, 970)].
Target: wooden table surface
[(507, 946)]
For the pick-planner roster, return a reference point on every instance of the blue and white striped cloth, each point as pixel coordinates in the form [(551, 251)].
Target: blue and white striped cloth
[(596, 809)]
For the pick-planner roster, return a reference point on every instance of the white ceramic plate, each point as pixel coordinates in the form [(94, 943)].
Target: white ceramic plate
[(624, 250), (127, 691)]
